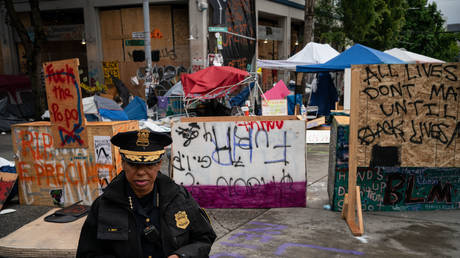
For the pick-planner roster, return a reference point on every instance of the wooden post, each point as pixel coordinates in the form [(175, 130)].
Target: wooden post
[(352, 202)]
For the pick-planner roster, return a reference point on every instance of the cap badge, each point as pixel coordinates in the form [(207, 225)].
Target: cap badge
[(182, 220), (143, 138)]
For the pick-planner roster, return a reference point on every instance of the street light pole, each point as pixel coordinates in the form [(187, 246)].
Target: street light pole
[(147, 48)]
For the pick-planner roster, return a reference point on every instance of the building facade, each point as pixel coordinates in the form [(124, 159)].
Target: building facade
[(112, 32)]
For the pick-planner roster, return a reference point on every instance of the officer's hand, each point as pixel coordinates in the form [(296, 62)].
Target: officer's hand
[(173, 256)]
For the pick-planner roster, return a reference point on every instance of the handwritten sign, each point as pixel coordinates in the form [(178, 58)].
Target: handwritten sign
[(389, 188), (111, 68), (241, 164), (64, 103), (274, 107), (48, 175), (408, 115)]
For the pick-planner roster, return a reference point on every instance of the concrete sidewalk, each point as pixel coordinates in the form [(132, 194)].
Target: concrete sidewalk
[(283, 232), (307, 232)]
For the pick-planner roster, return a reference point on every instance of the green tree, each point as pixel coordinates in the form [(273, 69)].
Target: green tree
[(328, 25), (33, 46), (358, 18), (384, 32), (424, 32), (374, 23)]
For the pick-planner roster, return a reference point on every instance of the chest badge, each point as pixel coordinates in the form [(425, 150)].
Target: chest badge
[(181, 220)]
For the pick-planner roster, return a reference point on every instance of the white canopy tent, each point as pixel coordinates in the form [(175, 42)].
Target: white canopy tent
[(312, 53), (411, 57)]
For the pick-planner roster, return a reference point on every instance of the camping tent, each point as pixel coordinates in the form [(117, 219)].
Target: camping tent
[(312, 53), (356, 55), (411, 57)]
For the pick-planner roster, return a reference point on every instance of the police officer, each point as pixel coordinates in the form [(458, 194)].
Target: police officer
[(143, 213)]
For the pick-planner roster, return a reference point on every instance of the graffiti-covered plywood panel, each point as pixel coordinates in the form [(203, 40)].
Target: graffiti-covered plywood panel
[(241, 164), (408, 115), (65, 104), (62, 176), (389, 188)]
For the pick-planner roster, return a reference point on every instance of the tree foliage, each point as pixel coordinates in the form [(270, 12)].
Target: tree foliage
[(383, 34), (374, 23), (384, 24), (328, 25), (358, 18), (33, 47), (424, 32)]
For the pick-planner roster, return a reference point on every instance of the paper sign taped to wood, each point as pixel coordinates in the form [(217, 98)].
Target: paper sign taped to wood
[(241, 164), (274, 107), (408, 115), (102, 149), (64, 104)]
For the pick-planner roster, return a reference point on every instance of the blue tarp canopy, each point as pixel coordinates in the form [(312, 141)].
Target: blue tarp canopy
[(356, 55)]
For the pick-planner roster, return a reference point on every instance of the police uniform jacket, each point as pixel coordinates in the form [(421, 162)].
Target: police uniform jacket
[(110, 228)]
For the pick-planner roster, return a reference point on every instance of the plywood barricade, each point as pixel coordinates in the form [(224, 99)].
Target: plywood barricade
[(411, 188), (241, 162), (404, 116), (62, 176)]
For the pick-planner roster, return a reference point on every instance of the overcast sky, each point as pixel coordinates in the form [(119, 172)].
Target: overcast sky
[(450, 10)]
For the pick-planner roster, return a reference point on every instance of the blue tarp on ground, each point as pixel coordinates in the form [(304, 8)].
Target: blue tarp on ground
[(356, 55), (110, 109), (136, 109)]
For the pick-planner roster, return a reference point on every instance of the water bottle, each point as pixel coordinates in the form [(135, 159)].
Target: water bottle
[(303, 110)]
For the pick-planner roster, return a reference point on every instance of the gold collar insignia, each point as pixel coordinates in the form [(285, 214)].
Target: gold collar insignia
[(143, 138), (181, 219)]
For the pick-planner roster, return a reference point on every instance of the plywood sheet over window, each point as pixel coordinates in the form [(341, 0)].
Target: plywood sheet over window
[(161, 38), (117, 26), (132, 20), (181, 34), (127, 70), (112, 40), (169, 29)]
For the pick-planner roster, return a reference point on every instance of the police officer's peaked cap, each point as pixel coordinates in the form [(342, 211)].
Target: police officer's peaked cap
[(141, 146)]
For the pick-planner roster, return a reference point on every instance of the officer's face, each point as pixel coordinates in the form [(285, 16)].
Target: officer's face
[(141, 177)]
